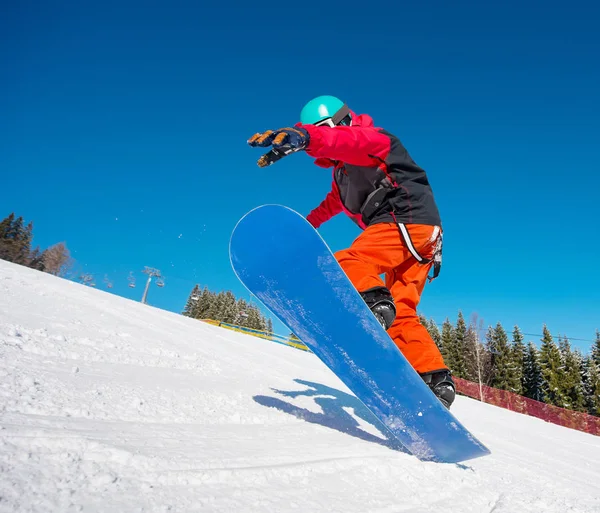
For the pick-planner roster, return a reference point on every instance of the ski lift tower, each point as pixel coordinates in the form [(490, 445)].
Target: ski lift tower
[(151, 272)]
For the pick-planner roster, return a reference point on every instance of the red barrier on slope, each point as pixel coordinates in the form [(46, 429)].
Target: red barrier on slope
[(514, 402)]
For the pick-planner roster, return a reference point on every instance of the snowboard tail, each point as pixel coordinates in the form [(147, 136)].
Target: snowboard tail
[(282, 260)]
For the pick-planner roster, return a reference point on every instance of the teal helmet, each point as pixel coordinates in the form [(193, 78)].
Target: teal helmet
[(325, 110)]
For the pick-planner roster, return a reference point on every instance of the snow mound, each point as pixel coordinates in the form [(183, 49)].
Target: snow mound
[(110, 405)]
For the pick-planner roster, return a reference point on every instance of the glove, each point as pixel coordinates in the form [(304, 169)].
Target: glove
[(290, 138)]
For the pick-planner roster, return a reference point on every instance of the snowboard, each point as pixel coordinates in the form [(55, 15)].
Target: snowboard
[(283, 261)]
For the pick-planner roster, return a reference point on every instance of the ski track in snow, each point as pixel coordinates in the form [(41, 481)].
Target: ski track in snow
[(110, 405)]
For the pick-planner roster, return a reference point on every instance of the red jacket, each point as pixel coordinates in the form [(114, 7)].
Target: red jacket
[(366, 159)]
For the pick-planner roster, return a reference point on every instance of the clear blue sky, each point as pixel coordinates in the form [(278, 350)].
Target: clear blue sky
[(124, 126)]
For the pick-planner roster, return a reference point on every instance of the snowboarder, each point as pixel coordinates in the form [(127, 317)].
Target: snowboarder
[(378, 185)]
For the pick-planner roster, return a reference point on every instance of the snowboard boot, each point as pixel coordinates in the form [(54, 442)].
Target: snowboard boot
[(381, 303), (442, 385)]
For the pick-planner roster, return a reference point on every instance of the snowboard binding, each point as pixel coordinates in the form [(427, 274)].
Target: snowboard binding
[(381, 303), (442, 385)]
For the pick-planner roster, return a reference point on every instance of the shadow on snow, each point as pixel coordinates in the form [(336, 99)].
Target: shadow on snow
[(334, 416)]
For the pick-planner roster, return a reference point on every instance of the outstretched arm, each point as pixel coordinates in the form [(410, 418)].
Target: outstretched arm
[(360, 146)]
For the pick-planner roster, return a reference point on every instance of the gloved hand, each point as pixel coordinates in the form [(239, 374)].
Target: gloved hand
[(295, 138)]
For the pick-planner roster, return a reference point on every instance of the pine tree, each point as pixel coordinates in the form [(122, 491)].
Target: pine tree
[(243, 314), (590, 377), (261, 320), (36, 259), (472, 370), (572, 385), (585, 381), (203, 305), (434, 332), (23, 252), (448, 344), (254, 320), (594, 397), (552, 371), (191, 302), (518, 355), (270, 326), (219, 307), (533, 380), (263, 323), (229, 308), (458, 351), (16, 240), (10, 243), (491, 349), (504, 370), (5, 225), (596, 349), (212, 307), (224, 307)]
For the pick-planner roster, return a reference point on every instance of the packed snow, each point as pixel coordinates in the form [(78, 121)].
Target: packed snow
[(111, 405)]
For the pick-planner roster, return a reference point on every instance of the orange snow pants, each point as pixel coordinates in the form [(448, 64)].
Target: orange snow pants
[(380, 249)]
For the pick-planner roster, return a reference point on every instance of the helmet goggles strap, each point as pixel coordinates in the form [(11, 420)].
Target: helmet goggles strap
[(337, 118)]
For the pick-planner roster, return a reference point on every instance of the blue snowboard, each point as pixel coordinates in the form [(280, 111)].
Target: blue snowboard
[(284, 262)]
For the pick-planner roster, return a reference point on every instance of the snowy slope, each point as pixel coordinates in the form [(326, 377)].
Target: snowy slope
[(110, 405)]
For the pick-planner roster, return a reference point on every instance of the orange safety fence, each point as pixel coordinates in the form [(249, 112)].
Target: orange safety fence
[(518, 403)]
